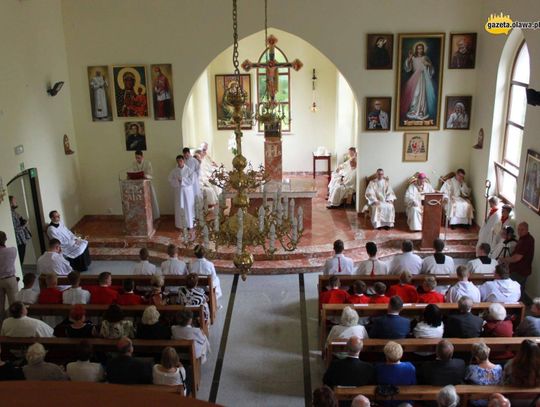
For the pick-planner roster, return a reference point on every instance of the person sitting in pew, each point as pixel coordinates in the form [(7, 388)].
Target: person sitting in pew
[(347, 327), (372, 266), (463, 287), (391, 325), (444, 370), (151, 327), (463, 324), (22, 326), (350, 371), (359, 293), (339, 264), (204, 267), (360, 401), (143, 267), (431, 325), (502, 289), (83, 370), (483, 264), (78, 326), (27, 294), (156, 296), (407, 260), (404, 289), (114, 325), (128, 297), (185, 330), (126, 369), (394, 371), (498, 325), (38, 369), (324, 397), (448, 397), (481, 371), (192, 296), (173, 265), (51, 294), (103, 293), (169, 372), (334, 295), (75, 294), (429, 295), (438, 263), (524, 369), (530, 326), (380, 294), (8, 371), (498, 400)]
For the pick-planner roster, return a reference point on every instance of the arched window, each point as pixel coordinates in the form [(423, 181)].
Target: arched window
[(507, 169), (283, 96)]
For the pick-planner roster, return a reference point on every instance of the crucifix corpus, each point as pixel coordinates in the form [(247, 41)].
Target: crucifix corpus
[(269, 112)]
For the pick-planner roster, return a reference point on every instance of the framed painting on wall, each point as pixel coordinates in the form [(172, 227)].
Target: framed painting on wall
[(419, 81), (135, 136), (224, 110), (380, 51), (458, 112), (162, 91), (462, 51), (530, 194), (100, 93), (415, 147), (378, 113), (130, 91)]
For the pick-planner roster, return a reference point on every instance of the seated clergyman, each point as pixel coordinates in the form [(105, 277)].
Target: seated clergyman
[(344, 186), (380, 197), (459, 209)]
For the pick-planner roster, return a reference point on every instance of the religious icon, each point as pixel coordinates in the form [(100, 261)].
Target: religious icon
[(162, 91), (378, 111), (224, 110), (420, 65), (415, 147), (67, 147), (458, 112), (380, 50), (480, 141), (462, 51), (135, 136), (100, 93), (130, 91), (530, 195)]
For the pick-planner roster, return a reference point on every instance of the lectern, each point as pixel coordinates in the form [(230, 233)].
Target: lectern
[(431, 221), (137, 207)]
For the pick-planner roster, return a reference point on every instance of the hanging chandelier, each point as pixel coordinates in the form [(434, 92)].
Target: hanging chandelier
[(274, 223)]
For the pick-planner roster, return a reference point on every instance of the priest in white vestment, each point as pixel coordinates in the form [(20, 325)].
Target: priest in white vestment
[(343, 186), (140, 164), (482, 264), (181, 180), (52, 261), (459, 209), (208, 192), (380, 197), (204, 267), (413, 201), (74, 248), (195, 166), (342, 169), (487, 233), (208, 166)]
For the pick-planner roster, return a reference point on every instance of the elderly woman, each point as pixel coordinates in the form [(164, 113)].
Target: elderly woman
[(348, 327), (184, 330), (114, 325), (481, 371), (498, 325), (193, 296), (448, 397), (169, 371), (524, 368), (151, 327), (394, 371), (38, 369)]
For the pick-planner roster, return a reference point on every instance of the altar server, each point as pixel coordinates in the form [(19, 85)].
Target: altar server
[(181, 180), (413, 201), (195, 166), (488, 233), (381, 197), (459, 209), (140, 164)]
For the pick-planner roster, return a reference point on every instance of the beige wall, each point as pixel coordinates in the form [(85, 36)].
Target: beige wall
[(33, 55)]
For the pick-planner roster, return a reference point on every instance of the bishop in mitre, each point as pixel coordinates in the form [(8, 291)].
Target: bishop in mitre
[(344, 186), (380, 198), (140, 164), (413, 201), (459, 209), (181, 180)]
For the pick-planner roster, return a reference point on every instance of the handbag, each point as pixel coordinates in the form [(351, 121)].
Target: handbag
[(386, 390)]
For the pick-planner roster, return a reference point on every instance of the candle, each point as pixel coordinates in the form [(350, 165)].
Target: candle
[(285, 206), (265, 204), (294, 230), (292, 209), (300, 219), (216, 218), (186, 235), (206, 240), (272, 237), (240, 231), (221, 200), (261, 219)]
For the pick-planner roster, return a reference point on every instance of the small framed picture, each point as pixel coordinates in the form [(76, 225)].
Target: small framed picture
[(530, 194), (380, 51), (135, 136), (415, 147), (462, 51), (378, 112), (458, 112)]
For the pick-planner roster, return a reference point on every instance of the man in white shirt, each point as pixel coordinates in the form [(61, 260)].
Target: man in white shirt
[(372, 266), (459, 209), (144, 267), (439, 263), (28, 295), (173, 265), (195, 166), (339, 264), (483, 264), (204, 267), (407, 261), (463, 288), (502, 289), (83, 370), (75, 294), (52, 261), (21, 326), (380, 197)]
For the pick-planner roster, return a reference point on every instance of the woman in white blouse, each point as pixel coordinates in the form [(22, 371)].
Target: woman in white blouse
[(170, 371)]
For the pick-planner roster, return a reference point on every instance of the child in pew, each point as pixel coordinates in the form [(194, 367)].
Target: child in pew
[(156, 296), (75, 294), (404, 289), (128, 297), (144, 267), (358, 295), (51, 294), (27, 295), (380, 294), (429, 295)]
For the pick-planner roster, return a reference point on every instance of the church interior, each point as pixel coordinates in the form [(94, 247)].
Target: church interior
[(59, 154)]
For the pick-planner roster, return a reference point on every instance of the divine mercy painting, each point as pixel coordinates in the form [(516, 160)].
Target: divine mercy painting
[(419, 81)]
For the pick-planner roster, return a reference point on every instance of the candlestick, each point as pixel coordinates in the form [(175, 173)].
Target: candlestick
[(300, 219), (261, 219)]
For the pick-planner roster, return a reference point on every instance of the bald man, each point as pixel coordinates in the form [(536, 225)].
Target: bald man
[(360, 401), (125, 369)]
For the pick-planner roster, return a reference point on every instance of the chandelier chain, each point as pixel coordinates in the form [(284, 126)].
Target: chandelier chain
[(235, 40), (265, 21)]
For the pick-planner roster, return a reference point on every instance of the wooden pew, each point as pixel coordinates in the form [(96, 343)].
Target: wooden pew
[(117, 280), (133, 311), (409, 310), (183, 347), (465, 392), (428, 345)]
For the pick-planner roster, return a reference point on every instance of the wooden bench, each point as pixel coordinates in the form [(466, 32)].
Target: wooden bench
[(409, 310), (465, 392), (170, 281), (428, 345), (185, 348), (133, 311)]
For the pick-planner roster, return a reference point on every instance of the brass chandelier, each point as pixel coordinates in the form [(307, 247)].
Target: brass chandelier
[(275, 223)]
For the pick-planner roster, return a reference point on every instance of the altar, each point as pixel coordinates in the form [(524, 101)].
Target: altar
[(301, 190)]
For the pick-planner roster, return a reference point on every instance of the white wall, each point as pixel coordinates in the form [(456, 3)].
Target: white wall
[(33, 55)]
